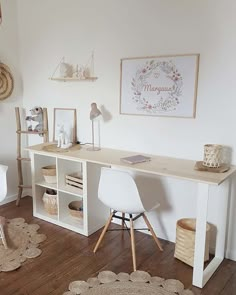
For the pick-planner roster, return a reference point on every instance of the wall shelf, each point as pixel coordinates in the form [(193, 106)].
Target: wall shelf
[(68, 72), (73, 79)]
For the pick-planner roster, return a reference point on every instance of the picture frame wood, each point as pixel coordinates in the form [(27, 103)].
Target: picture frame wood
[(67, 118), (159, 85)]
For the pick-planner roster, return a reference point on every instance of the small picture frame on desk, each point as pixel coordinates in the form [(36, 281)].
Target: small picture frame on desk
[(66, 119)]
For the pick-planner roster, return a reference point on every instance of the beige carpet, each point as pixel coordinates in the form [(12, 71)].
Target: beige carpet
[(137, 283), (23, 241)]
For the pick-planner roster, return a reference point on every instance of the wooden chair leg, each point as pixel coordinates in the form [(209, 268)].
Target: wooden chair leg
[(103, 233), (123, 222), (133, 243), (20, 191), (152, 232), (2, 222)]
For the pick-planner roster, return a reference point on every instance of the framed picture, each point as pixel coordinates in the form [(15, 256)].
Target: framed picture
[(65, 119), (159, 86)]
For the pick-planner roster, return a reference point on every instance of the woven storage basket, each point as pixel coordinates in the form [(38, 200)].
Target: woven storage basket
[(50, 203), (185, 240), (49, 173), (76, 209)]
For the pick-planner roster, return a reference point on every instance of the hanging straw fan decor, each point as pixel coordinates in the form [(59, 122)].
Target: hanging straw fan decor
[(6, 82)]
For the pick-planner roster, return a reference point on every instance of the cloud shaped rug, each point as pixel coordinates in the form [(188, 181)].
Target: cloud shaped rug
[(137, 283), (23, 242)]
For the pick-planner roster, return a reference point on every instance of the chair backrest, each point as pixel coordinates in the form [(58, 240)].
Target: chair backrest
[(118, 190), (3, 182)]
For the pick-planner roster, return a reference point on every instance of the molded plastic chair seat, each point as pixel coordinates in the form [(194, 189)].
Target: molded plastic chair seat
[(118, 190), (3, 192)]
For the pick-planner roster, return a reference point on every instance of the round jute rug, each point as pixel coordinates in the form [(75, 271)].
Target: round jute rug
[(137, 283), (22, 240)]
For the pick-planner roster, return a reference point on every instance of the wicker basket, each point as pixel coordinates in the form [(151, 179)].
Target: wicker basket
[(185, 240), (49, 173), (50, 202), (76, 209), (212, 155)]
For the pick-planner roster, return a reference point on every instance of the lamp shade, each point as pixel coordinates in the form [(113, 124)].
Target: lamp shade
[(95, 112)]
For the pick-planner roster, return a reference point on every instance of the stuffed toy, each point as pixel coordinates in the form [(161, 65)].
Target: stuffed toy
[(35, 120)]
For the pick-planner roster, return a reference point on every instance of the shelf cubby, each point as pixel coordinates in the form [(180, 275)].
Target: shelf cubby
[(39, 208), (41, 161), (64, 213), (67, 167)]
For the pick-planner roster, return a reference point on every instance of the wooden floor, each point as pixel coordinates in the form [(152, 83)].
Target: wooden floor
[(68, 256)]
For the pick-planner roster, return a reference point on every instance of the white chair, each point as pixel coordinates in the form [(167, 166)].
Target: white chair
[(3, 192), (118, 190)]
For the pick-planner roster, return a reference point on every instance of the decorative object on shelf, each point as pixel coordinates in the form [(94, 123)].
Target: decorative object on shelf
[(76, 209), (68, 72), (75, 180), (50, 201), (138, 282), (64, 127), (6, 82), (35, 120), (23, 241), (49, 173), (159, 86), (200, 167), (212, 155), (185, 240), (94, 116), (63, 140)]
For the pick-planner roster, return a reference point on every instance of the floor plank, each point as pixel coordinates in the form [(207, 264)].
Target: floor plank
[(68, 256)]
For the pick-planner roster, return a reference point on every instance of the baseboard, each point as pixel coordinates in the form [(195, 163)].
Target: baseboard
[(9, 199), (231, 255)]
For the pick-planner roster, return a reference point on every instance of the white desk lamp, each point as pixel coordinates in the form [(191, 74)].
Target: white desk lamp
[(95, 113)]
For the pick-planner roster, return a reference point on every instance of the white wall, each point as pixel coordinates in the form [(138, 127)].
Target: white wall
[(9, 56), (128, 28)]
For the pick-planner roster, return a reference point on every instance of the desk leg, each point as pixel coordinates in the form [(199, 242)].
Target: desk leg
[(201, 276), (223, 201), (200, 238)]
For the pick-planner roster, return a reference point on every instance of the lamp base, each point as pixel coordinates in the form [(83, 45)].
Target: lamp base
[(93, 149)]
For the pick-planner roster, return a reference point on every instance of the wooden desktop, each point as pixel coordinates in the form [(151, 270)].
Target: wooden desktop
[(90, 164)]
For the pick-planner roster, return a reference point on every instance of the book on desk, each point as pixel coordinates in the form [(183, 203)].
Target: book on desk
[(135, 159)]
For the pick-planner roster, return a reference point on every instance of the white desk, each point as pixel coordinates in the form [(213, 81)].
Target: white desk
[(177, 168)]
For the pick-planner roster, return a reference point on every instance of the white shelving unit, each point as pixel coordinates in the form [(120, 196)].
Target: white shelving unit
[(94, 212)]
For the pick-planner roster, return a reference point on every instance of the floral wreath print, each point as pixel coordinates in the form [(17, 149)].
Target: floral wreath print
[(163, 103)]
